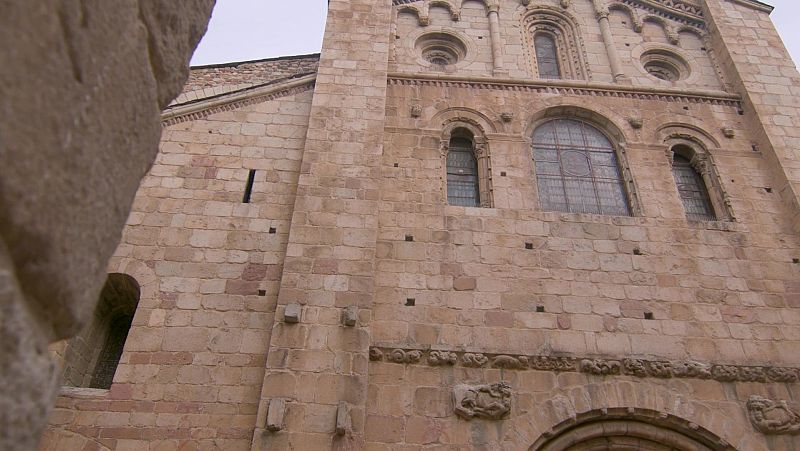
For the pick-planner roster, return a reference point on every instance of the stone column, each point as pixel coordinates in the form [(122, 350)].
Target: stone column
[(608, 40), (497, 45), (315, 360)]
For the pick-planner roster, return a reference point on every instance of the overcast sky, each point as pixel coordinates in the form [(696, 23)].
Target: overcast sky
[(243, 30)]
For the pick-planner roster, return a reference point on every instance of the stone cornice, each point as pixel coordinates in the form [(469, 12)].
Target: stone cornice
[(636, 367), (230, 101), (759, 6), (567, 87), (675, 10)]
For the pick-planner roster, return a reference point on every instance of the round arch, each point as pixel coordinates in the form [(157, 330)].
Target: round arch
[(621, 429), (599, 120)]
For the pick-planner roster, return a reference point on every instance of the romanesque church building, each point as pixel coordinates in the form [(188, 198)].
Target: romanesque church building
[(546, 225)]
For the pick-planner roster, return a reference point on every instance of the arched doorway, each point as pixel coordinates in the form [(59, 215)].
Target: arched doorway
[(628, 430)]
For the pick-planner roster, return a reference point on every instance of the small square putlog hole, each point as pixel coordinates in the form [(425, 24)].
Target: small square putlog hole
[(539, 309), (648, 315), (262, 292), (410, 302), (409, 237), (529, 246), (273, 230)]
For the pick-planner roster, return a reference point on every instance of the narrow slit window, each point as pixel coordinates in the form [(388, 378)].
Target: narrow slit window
[(577, 170), (546, 56), (462, 174), (692, 190), (248, 189)]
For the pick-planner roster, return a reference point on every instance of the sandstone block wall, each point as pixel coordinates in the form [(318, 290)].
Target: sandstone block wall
[(209, 270), (341, 307)]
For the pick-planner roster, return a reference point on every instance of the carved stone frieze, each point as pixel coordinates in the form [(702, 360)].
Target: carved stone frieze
[(402, 356), (546, 363), (474, 360), (491, 402), (661, 369), (600, 367), (375, 354), (773, 417), (437, 358)]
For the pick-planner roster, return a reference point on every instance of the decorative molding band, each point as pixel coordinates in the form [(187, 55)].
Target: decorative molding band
[(232, 101), (661, 369), (676, 10), (567, 87)]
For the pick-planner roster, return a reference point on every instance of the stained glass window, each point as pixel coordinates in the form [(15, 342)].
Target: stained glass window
[(577, 169), (546, 56), (462, 174), (692, 190)]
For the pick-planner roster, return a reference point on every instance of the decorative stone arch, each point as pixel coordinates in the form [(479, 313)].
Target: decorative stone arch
[(465, 127), (534, 418), (601, 121), (695, 144), (413, 9), (636, 20), (563, 27), (476, 118), (669, 30), (454, 8), (626, 428)]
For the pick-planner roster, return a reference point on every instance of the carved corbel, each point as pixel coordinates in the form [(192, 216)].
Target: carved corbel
[(700, 164), (773, 417), (444, 147), (565, 3), (416, 110), (673, 37)]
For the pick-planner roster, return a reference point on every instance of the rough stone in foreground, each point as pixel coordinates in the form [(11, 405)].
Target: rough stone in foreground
[(81, 90)]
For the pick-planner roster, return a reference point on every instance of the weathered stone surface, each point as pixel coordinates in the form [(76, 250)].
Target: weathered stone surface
[(80, 94)]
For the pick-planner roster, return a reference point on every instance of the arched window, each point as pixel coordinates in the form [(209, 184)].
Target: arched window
[(554, 46), (92, 357), (577, 169), (691, 187), (546, 56), (462, 173)]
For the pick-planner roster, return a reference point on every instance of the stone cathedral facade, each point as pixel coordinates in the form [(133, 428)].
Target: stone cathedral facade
[(467, 224)]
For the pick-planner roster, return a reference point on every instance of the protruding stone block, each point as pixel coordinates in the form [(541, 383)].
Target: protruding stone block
[(275, 414), (343, 424), (291, 314), (350, 316)]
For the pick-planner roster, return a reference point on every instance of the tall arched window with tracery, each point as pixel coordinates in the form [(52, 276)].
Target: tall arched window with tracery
[(577, 169), (462, 173), (691, 187), (546, 56)]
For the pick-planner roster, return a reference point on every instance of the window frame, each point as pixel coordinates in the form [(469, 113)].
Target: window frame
[(554, 40), (703, 164), (465, 128), (618, 147)]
